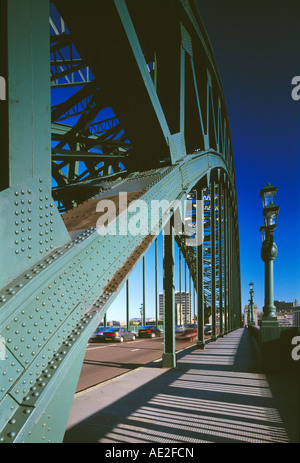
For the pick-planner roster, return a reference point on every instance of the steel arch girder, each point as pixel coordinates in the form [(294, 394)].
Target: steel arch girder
[(166, 115), (51, 317)]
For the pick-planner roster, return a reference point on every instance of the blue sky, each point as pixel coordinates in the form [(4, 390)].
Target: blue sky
[(257, 48)]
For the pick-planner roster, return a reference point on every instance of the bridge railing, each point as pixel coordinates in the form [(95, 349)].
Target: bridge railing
[(275, 348)]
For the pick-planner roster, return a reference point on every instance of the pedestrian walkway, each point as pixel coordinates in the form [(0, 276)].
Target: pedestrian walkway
[(216, 395)]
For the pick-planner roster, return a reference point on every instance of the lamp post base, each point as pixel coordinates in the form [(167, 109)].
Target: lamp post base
[(270, 337), (269, 328)]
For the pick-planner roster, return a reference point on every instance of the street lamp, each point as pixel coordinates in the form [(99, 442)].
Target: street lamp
[(251, 306), (248, 313), (269, 248)]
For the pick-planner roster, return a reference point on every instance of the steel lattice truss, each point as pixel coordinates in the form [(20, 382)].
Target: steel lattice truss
[(190, 252), (88, 141)]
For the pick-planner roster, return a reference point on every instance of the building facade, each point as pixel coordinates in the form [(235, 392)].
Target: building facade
[(283, 306), (296, 316), (183, 307), (246, 310)]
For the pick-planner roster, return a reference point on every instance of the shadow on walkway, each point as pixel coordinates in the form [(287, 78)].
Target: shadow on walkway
[(216, 395)]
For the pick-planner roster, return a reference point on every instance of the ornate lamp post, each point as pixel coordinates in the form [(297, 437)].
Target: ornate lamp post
[(251, 306), (248, 313), (269, 248)]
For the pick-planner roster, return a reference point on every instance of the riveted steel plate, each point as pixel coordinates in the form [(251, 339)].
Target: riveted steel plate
[(25, 235), (10, 369)]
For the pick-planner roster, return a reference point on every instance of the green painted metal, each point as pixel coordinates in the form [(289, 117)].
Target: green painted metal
[(30, 226), (251, 306), (220, 240), (213, 257), (169, 356), (54, 288), (226, 258), (55, 297), (269, 253), (230, 267), (28, 90), (144, 293), (138, 54), (156, 285), (127, 305), (200, 284)]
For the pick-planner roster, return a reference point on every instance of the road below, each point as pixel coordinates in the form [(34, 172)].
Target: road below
[(104, 361)]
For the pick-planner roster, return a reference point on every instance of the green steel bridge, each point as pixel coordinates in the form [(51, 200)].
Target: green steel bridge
[(105, 100)]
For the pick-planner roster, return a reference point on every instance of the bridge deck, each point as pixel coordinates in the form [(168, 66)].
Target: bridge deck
[(214, 395)]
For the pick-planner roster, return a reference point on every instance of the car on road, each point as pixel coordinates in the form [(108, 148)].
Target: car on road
[(189, 332), (148, 331), (207, 328), (179, 328), (118, 334), (98, 334), (114, 333)]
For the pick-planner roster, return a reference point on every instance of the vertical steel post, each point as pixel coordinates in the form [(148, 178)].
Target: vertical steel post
[(169, 356), (226, 258), (213, 258), (4, 106), (220, 239), (231, 304), (194, 301), (234, 314), (185, 299), (25, 136), (28, 45), (190, 302), (233, 274), (156, 307), (180, 295), (144, 294), (200, 278), (127, 303), (236, 305)]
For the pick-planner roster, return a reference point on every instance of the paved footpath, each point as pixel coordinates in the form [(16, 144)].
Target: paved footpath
[(216, 395)]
